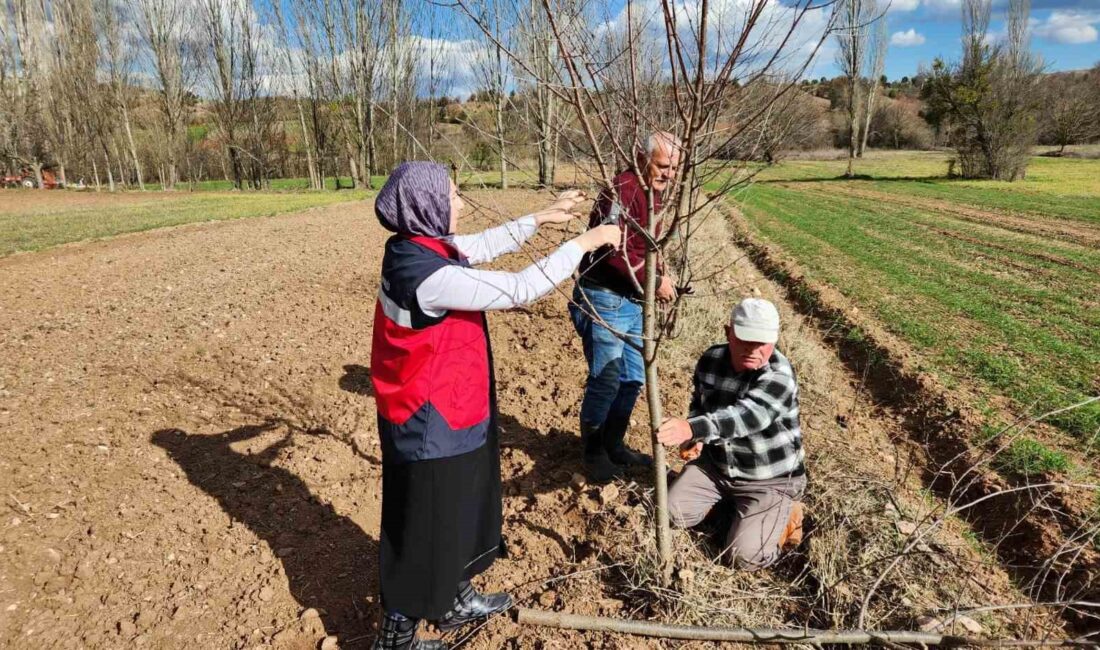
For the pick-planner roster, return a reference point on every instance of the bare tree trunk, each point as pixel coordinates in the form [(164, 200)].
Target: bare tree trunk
[(866, 128), (653, 399), (853, 126), (500, 90), (372, 152), (500, 143), (107, 167), (876, 64), (117, 61), (542, 54), (394, 53), (852, 39), (353, 165), (547, 137), (120, 161), (133, 148), (314, 182)]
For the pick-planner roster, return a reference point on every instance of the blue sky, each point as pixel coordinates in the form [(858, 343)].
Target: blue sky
[(1064, 33)]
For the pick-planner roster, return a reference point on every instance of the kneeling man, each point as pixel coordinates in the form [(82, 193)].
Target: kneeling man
[(743, 426)]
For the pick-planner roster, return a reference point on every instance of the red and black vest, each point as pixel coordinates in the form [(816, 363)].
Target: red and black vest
[(430, 372)]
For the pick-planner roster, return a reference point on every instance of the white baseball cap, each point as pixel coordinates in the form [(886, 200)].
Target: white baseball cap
[(757, 320)]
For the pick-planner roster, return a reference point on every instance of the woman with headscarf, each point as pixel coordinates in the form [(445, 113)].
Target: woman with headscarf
[(432, 371)]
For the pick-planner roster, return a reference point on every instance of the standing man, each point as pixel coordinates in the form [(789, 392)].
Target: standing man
[(607, 306), (744, 420)]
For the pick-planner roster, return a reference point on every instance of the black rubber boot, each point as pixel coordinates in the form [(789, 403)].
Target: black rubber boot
[(399, 633), (598, 468), (471, 606), (614, 432)]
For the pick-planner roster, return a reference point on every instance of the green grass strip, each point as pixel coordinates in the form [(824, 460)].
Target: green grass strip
[(36, 228)]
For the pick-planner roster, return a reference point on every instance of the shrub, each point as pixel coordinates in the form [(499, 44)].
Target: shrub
[(989, 102)]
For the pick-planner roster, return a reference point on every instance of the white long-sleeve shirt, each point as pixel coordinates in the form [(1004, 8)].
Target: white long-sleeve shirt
[(468, 289)]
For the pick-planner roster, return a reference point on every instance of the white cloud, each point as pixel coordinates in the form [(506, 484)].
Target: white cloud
[(790, 35), (944, 6), (902, 5), (1069, 27), (461, 66), (908, 38)]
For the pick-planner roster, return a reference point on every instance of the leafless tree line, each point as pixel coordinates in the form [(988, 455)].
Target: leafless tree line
[(1071, 108), (124, 91)]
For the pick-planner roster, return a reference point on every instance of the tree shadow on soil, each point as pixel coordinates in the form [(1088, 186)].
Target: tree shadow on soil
[(556, 455), (330, 562)]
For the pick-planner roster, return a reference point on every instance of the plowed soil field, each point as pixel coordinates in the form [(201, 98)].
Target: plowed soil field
[(190, 459)]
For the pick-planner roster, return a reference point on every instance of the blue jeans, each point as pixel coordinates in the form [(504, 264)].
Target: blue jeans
[(615, 369)]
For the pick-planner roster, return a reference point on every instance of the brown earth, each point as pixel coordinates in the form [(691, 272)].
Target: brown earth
[(191, 458)]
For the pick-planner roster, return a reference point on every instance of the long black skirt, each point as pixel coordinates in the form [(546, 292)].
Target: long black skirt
[(441, 524)]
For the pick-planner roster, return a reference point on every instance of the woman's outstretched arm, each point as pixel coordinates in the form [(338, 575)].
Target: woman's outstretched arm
[(466, 289), (490, 244)]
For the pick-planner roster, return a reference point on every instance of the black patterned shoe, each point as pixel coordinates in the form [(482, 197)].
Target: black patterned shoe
[(399, 633), (471, 606)]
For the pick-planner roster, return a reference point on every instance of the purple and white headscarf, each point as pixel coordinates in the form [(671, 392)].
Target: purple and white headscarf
[(416, 200)]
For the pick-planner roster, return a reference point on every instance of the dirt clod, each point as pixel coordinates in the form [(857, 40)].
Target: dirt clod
[(127, 629), (548, 598), (145, 619), (609, 494), (906, 527), (965, 622)]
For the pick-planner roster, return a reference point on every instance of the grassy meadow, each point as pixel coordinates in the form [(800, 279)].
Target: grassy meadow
[(32, 220), (994, 284)]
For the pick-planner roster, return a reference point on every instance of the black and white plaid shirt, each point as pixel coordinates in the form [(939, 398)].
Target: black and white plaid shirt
[(748, 421)]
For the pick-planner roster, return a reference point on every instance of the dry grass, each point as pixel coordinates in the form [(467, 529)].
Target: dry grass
[(866, 511)]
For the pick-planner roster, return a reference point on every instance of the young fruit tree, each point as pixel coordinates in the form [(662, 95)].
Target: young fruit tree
[(698, 75)]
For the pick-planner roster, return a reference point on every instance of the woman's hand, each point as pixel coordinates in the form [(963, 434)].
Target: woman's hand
[(568, 200), (600, 236), (560, 211)]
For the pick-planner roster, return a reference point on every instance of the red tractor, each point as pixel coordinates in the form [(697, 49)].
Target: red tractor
[(25, 178)]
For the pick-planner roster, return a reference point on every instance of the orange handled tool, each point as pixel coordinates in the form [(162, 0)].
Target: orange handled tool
[(690, 451)]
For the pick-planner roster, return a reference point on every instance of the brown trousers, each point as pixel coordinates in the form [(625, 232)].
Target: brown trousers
[(763, 509)]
